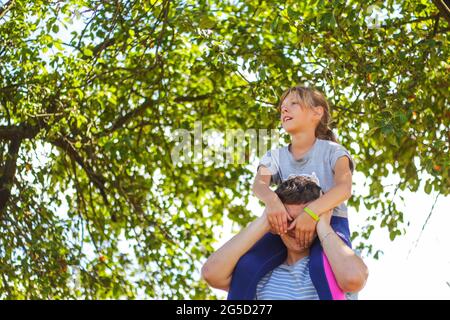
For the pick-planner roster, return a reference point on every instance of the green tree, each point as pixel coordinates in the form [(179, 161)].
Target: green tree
[(94, 87)]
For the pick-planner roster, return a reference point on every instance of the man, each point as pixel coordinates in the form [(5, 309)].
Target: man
[(300, 277)]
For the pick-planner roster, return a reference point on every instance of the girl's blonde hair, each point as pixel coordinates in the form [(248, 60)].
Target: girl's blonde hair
[(313, 98)]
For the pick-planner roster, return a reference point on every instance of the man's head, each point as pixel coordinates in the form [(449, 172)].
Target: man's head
[(296, 193)]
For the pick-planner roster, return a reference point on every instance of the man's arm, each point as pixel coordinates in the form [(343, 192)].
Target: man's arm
[(218, 269), (349, 269)]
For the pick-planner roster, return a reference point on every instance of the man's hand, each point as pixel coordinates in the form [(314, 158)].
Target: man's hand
[(278, 217)]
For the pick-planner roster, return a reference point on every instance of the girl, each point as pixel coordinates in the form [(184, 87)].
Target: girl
[(313, 150)]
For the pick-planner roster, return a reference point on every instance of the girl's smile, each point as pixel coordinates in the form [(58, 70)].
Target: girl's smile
[(286, 118)]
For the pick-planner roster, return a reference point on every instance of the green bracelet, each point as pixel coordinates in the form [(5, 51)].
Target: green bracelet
[(311, 213)]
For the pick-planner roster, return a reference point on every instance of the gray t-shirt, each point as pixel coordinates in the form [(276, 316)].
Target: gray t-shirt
[(319, 161)]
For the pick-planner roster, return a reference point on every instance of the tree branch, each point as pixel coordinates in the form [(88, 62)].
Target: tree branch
[(97, 179), (399, 23), (149, 103), (424, 225), (9, 171), (6, 8), (120, 122), (193, 98), (102, 46), (22, 131), (443, 9)]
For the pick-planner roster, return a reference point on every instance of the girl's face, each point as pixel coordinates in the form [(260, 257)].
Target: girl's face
[(296, 117)]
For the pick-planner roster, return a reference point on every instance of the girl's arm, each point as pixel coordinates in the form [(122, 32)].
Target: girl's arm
[(218, 269), (341, 191), (350, 270), (276, 212)]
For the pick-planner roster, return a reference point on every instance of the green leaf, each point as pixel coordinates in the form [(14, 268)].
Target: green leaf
[(428, 188), (58, 45), (206, 22), (88, 52)]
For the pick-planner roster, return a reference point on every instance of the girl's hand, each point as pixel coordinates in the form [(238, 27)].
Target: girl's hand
[(278, 217), (304, 226)]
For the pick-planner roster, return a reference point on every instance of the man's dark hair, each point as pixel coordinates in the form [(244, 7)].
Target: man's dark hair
[(298, 190)]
